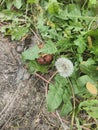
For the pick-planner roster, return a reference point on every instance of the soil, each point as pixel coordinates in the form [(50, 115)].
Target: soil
[(22, 95)]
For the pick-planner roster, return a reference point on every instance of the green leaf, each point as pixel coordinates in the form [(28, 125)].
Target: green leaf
[(9, 4), (91, 107), (90, 70), (89, 62), (95, 50), (49, 48), (31, 54), (18, 32), (66, 108), (9, 15), (63, 44), (53, 6), (78, 124), (81, 86), (33, 66), (32, 1), (81, 81), (66, 96), (92, 1), (80, 43), (18, 3), (67, 105), (54, 97), (74, 9), (93, 33), (61, 80)]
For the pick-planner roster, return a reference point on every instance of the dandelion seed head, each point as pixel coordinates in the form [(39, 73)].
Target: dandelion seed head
[(64, 67)]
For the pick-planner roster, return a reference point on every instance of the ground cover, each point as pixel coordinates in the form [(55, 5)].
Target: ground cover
[(58, 43)]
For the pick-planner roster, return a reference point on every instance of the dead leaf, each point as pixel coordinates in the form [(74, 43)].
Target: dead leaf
[(89, 42), (97, 68), (91, 88), (83, 62)]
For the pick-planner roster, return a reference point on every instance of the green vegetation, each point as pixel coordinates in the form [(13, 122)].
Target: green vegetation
[(67, 29)]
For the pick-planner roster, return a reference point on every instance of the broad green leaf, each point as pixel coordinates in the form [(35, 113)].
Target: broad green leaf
[(93, 2), (66, 96), (54, 97), (49, 48), (93, 33), (91, 107), (9, 4), (95, 50), (89, 62), (66, 108), (80, 43), (60, 80), (31, 54), (81, 85), (18, 32), (77, 89), (9, 15), (81, 81), (74, 9), (33, 66), (90, 70), (17, 3)]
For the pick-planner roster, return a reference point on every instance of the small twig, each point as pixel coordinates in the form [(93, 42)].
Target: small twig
[(90, 124), (84, 128), (36, 74), (85, 2), (2, 2), (26, 11), (36, 36), (67, 122), (52, 76), (7, 63), (55, 116), (63, 125), (46, 87)]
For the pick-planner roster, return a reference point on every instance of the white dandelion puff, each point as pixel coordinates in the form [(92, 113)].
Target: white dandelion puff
[(64, 66)]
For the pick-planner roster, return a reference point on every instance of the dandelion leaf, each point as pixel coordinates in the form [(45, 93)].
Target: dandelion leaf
[(54, 97), (91, 107)]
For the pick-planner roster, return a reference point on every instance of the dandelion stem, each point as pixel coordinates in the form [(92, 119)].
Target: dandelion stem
[(73, 115)]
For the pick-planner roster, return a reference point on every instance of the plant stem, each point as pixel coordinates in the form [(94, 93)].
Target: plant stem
[(2, 2), (91, 23), (36, 36), (73, 115)]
